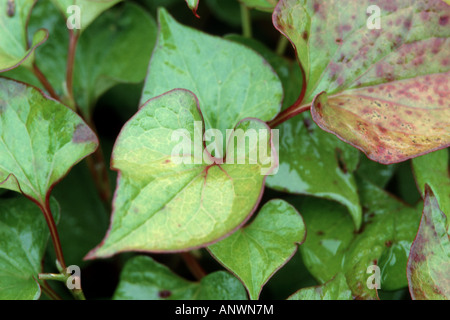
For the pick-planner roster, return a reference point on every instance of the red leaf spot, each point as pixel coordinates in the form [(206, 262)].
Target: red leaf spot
[(443, 20), (424, 15), (338, 40), (407, 24), (319, 233), (305, 35), (83, 134), (371, 90), (408, 112), (388, 243), (316, 7), (164, 294)]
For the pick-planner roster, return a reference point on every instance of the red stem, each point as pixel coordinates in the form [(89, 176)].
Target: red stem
[(70, 63), (38, 73), (53, 232), (49, 292), (193, 265)]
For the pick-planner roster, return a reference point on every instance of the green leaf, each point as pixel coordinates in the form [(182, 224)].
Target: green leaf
[(89, 9), (14, 49), (122, 32), (335, 289), (381, 90), (377, 173), (222, 74), (24, 236), (263, 5), (144, 279), (433, 169), (165, 203), (310, 159), (40, 140), (386, 236), (256, 252), (429, 260), (193, 5)]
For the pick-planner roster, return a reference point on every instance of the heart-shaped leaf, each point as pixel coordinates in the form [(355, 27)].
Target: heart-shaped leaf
[(121, 32), (193, 5), (89, 9), (263, 5), (14, 49), (24, 236), (310, 159), (335, 289), (256, 252), (433, 169), (386, 236), (225, 76), (382, 89), (40, 140), (429, 259), (144, 279), (165, 201)]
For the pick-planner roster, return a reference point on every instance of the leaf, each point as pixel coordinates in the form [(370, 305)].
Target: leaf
[(164, 203), (335, 289), (89, 9), (144, 279), (22, 247), (310, 159), (377, 173), (429, 259), (122, 32), (40, 140), (222, 74), (193, 5), (263, 5), (381, 90), (386, 236), (433, 169), (14, 49), (256, 252)]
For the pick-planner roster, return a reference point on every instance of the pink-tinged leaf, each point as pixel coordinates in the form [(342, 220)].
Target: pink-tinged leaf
[(390, 122), (429, 260), (402, 66), (193, 5)]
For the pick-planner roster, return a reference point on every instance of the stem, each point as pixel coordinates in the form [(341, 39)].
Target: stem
[(53, 232), (38, 73), (246, 22), (49, 292), (287, 114), (73, 40), (193, 265), (282, 45)]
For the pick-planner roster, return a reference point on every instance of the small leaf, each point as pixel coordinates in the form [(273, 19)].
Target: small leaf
[(193, 5), (162, 204), (222, 74), (263, 5), (383, 90), (89, 9), (433, 169), (387, 233), (429, 259), (144, 279), (14, 49), (40, 140), (335, 289), (23, 238), (256, 252)]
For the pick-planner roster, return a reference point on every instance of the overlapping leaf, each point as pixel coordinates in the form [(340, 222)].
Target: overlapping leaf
[(387, 233), (14, 49), (383, 90), (231, 81), (168, 199), (89, 9), (142, 278), (433, 169), (193, 5), (429, 259), (256, 252), (40, 140), (23, 239), (335, 289), (310, 159)]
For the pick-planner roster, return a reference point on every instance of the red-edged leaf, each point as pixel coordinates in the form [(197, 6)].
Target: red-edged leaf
[(388, 88), (429, 260)]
